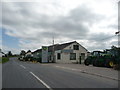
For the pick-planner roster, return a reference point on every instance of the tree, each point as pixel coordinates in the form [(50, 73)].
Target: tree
[(113, 47), (9, 53), (22, 52), (28, 51)]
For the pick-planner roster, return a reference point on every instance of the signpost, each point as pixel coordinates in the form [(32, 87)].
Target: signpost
[(44, 54), (67, 51)]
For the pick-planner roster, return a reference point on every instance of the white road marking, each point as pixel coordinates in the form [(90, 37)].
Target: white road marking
[(23, 66), (41, 81)]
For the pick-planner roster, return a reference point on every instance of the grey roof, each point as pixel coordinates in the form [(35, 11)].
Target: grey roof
[(38, 50), (59, 46)]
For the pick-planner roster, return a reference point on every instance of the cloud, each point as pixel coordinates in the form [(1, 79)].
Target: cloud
[(25, 24), (119, 11), (36, 23), (99, 41), (5, 49), (98, 37), (84, 14)]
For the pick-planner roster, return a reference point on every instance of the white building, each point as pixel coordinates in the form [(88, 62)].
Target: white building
[(71, 52)]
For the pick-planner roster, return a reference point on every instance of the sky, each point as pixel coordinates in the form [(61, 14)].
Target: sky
[(30, 24)]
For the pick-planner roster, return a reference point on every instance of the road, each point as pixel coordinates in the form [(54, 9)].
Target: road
[(0, 75), (18, 74)]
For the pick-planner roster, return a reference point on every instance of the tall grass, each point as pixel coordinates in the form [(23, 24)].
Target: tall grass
[(4, 59)]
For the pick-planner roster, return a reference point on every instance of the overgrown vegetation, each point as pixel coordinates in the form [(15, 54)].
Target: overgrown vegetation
[(4, 59), (0, 59)]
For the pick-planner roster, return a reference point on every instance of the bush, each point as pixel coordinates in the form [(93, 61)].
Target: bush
[(5, 59)]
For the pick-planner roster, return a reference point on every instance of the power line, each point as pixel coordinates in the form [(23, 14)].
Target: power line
[(109, 37), (116, 34)]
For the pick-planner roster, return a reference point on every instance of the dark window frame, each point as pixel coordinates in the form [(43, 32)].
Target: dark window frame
[(76, 47), (59, 56), (72, 56), (82, 56)]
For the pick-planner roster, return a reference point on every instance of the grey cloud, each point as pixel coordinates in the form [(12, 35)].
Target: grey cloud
[(115, 43), (113, 26), (19, 22), (98, 46), (26, 24), (100, 37), (100, 41), (85, 14), (69, 25), (119, 12)]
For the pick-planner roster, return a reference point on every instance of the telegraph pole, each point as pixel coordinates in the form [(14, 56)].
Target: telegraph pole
[(118, 33), (53, 51)]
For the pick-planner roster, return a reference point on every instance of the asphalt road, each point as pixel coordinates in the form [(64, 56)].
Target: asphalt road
[(0, 75), (18, 74)]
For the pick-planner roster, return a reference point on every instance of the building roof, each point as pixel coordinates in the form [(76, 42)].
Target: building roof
[(38, 50), (59, 46)]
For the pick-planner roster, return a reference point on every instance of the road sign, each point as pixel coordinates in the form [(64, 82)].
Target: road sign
[(44, 54), (67, 51)]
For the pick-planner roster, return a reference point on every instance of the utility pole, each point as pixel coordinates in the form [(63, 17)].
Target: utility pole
[(118, 33), (53, 51)]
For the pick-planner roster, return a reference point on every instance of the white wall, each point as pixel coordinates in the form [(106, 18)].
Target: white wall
[(65, 57), (28, 53)]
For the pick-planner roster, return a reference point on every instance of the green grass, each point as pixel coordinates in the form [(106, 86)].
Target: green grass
[(0, 59), (4, 59)]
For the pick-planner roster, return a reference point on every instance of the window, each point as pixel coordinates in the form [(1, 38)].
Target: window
[(76, 47), (82, 56), (72, 56), (58, 56)]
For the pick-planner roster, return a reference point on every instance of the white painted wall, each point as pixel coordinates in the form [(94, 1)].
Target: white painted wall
[(29, 53), (65, 57)]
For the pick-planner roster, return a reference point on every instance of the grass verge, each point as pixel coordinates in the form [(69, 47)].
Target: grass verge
[(4, 59)]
